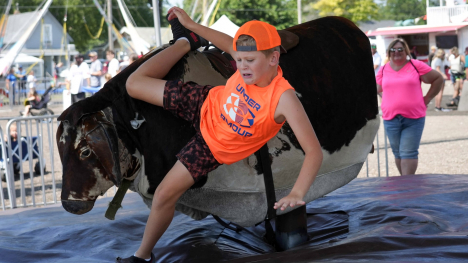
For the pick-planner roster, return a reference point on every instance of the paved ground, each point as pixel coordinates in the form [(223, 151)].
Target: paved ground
[(444, 150)]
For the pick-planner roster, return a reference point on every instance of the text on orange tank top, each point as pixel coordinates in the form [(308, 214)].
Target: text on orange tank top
[(238, 119)]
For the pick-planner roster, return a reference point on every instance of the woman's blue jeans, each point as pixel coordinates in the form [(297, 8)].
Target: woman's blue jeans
[(404, 135)]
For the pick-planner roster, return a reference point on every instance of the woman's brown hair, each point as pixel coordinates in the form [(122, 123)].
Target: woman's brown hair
[(398, 40)]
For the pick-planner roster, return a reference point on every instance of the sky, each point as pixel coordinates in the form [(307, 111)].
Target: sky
[(175, 2)]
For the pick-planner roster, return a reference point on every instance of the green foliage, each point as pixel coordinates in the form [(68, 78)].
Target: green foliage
[(403, 9), (280, 13), (77, 9), (354, 10)]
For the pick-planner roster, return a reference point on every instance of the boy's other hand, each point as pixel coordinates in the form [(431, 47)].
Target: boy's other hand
[(291, 200), (184, 19)]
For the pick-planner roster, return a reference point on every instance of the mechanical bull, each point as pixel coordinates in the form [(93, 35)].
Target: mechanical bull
[(111, 137)]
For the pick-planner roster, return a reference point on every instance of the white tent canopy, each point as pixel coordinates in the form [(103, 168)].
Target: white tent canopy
[(225, 25), (26, 61), (146, 34)]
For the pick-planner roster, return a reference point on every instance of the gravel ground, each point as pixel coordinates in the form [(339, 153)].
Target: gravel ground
[(443, 150)]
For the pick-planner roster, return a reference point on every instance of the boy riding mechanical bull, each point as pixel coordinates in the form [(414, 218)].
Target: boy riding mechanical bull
[(271, 101)]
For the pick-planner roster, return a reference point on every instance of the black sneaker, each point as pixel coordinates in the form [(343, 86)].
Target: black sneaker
[(134, 259), (178, 31)]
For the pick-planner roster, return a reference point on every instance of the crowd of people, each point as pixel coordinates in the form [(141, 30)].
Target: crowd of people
[(81, 78), (84, 78)]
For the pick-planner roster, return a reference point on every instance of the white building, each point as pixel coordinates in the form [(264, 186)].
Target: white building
[(447, 27)]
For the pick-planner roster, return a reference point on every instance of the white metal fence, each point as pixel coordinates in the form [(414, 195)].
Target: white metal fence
[(25, 160), (377, 148), (32, 172)]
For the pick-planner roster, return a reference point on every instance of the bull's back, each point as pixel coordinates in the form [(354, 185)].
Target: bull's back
[(332, 70)]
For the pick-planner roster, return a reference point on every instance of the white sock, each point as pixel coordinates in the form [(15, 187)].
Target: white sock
[(144, 258), (186, 39)]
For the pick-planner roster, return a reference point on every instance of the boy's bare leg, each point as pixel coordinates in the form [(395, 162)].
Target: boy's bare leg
[(176, 182), (147, 83)]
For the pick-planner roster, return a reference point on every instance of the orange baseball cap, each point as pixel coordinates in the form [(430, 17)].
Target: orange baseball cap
[(266, 36)]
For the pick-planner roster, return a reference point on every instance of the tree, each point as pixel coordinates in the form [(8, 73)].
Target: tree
[(403, 9), (280, 13), (354, 10)]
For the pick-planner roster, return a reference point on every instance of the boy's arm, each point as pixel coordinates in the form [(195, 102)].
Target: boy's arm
[(291, 108), (219, 39)]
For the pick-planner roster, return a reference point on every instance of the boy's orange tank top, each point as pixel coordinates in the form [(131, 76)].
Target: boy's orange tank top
[(238, 119)]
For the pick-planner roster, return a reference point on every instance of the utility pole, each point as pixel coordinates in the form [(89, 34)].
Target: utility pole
[(204, 9), (109, 25), (157, 24), (299, 12)]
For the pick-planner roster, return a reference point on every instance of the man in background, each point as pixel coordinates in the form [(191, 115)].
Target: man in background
[(10, 83), (22, 77), (95, 71), (112, 64), (376, 57), (78, 78)]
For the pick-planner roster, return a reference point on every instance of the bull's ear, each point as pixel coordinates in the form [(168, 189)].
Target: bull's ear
[(102, 138), (73, 113), (90, 105)]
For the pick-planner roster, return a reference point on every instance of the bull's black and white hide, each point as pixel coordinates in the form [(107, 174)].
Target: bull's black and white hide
[(332, 71)]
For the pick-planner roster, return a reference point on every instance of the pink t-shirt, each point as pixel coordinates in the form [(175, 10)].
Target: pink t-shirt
[(401, 90)]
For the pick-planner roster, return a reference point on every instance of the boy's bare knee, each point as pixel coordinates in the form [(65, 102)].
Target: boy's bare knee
[(130, 86), (165, 196)]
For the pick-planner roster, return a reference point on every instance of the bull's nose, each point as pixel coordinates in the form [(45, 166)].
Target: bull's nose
[(77, 207)]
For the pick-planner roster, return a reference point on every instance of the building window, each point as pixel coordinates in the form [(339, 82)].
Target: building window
[(47, 35), (447, 42)]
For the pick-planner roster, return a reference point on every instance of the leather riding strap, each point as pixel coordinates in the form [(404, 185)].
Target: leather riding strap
[(116, 202)]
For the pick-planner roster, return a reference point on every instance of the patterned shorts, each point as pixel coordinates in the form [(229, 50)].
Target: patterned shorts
[(185, 100)]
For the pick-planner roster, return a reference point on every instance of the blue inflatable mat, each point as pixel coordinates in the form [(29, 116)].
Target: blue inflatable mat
[(420, 218)]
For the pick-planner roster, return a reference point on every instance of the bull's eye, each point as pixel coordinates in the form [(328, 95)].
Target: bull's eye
[(85, 152)]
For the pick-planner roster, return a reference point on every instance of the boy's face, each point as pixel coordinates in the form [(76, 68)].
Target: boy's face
[(255, 67)]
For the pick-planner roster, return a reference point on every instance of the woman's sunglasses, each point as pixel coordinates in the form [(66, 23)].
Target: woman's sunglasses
[(400, 49)]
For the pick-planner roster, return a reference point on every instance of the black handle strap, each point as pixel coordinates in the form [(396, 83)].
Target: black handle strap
[(268, 179)]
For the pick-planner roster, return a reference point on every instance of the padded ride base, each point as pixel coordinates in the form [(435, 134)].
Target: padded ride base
[(291, 229)]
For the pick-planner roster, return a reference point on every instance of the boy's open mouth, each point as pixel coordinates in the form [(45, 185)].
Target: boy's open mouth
[(247, 75)]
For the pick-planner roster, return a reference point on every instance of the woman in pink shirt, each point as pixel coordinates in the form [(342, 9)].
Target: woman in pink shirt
[(403, 104)]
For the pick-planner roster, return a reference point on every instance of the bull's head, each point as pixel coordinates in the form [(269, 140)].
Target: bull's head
[(90, 159)]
